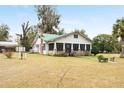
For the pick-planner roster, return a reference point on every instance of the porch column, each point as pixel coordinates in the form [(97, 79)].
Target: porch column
[(72, 47), (64, 47), (78, 47), (54, 47)]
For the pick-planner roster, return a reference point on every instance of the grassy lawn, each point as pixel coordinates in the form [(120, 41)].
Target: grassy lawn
[(48, 71)]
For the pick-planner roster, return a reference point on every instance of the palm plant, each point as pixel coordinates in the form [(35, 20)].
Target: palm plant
[(118, 32)]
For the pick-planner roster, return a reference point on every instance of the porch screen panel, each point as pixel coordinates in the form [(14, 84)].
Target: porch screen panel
[(59, 46), (75, 47), (88, 47), (51, 46), (82, 47)]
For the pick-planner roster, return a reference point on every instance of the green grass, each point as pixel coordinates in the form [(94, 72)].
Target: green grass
[(48, 71)]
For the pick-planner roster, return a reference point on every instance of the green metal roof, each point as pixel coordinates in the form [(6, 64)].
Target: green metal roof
[(48, 37)]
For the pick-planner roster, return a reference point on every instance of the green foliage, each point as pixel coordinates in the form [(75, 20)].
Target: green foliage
[(4, 32), (61, 31), (8, 54), (24, 37), (95, 50), (30, 37), (118, 29), (82, 31), (101, 58), (27, 36), (118, 32), (48, 18), (105, 43)]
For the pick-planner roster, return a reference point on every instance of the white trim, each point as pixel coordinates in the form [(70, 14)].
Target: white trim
[(63, 46), (72, 47)]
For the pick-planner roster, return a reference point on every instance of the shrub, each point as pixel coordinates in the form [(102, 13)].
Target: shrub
[(102, 59), (61, 55), (87, 53), (95, 50), (73, 54), (8, 54)]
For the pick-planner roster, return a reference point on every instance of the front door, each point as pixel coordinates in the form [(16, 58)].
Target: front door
[(68, 48)]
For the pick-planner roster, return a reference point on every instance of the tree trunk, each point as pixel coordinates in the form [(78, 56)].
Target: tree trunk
[(122, 52), (122, 49)]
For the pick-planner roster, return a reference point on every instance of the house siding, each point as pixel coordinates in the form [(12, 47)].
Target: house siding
[(65, 39), (71, 39)]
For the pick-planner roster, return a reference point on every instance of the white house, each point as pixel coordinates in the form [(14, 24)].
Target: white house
[(68, 43)]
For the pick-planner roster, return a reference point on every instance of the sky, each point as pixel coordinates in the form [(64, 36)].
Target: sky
[(94, 19)]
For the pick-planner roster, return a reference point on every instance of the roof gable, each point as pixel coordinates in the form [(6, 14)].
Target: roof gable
[(65, 35)]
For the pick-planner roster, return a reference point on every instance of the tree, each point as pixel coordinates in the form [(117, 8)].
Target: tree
[(95, 50), (31, 36), (104, 43), (82, 31), (4, 32), (28, 36), (61, 31), (23, 41), (25, 29), (118, 32), (48, 18)]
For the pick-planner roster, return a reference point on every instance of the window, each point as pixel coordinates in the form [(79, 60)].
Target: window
[(75, 36), (82, 47), (59, 46), (51, 46), (88, 47), (75, 47)]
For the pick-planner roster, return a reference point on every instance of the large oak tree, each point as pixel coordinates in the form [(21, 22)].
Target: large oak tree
[(104, 43), (48, 17)]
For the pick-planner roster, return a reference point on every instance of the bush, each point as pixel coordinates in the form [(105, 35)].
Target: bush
[(8, 54), (95, 50), (64, 54), (61, 55), (102, 59), (86, 53), (73, 54)]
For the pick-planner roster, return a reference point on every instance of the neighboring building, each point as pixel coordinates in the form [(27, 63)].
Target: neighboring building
[(54, 44), (8, 46)]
